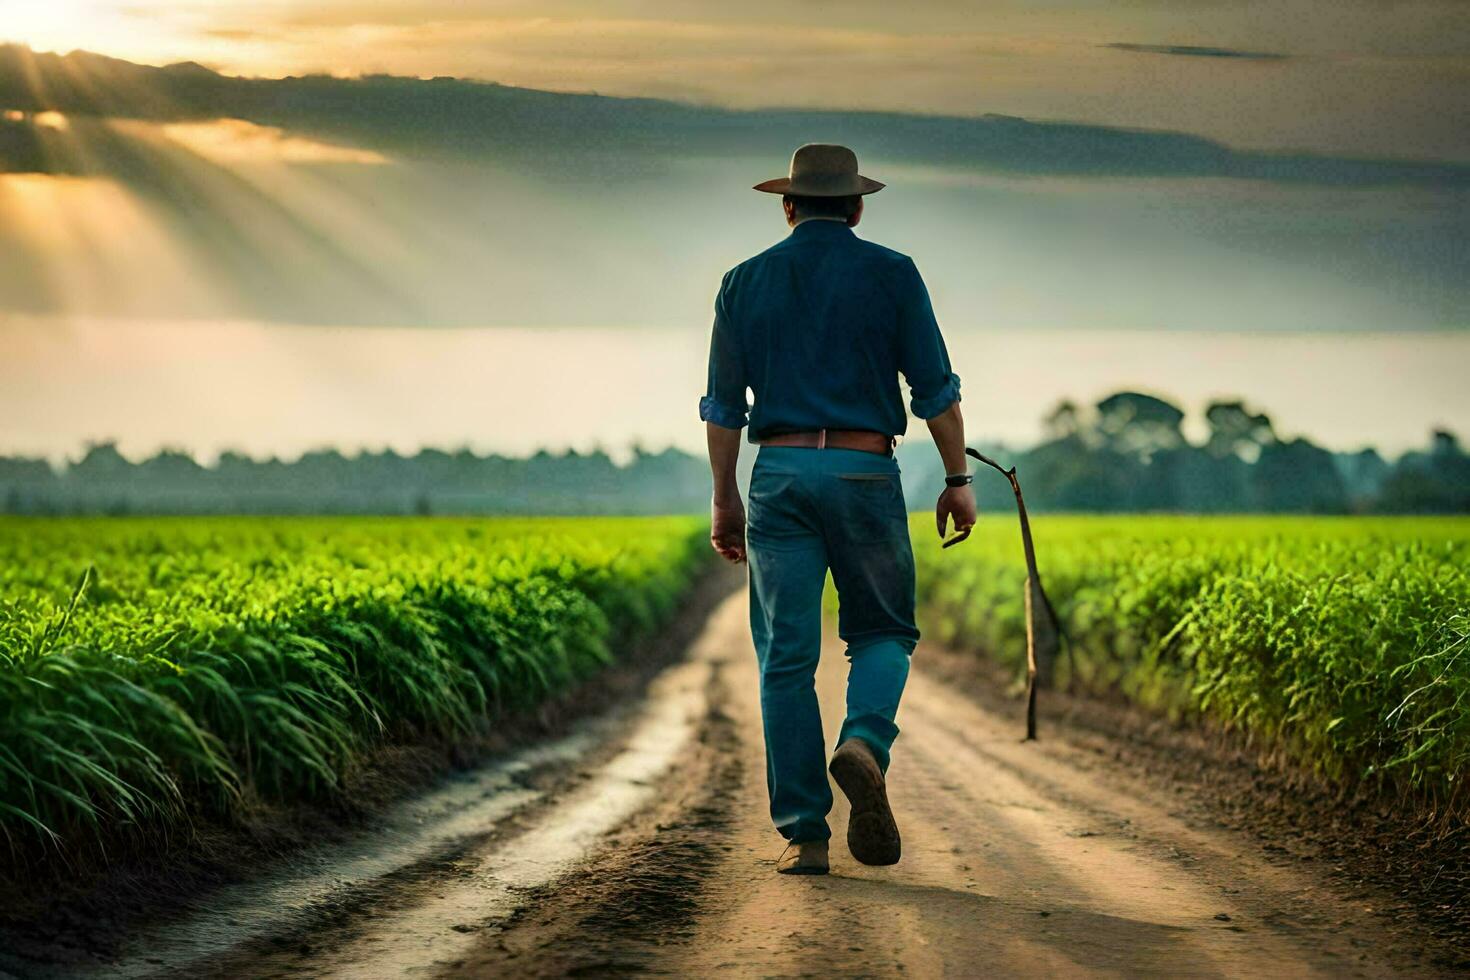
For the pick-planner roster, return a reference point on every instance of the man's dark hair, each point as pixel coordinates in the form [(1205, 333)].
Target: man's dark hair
[(824, 207)]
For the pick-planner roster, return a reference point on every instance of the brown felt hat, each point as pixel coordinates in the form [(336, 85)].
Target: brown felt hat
[(822, 170)]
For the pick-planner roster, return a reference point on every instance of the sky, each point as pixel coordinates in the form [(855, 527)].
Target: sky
[(1363, 76), (1261, 199), (284, 390)]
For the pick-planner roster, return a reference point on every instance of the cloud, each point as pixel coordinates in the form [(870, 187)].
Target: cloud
[(590, 137), (1359, 80), (238, 140), (1197, 51), (240, 34), (181, 193)]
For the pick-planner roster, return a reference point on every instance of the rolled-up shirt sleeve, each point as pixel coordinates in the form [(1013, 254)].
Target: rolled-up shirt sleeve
[(724, 401), (922, 356)]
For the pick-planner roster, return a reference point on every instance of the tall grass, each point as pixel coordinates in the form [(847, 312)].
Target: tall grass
[(153, 667), (1340, 643)]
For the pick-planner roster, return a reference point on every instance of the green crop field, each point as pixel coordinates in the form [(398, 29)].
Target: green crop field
[(154, 668), (1342, 643)]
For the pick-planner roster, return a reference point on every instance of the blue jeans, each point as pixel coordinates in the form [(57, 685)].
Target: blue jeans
[(811, 510)]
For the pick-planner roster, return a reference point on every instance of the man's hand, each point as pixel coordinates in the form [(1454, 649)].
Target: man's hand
[(727, 529), (727, 513), (948, 430), (957, 503)]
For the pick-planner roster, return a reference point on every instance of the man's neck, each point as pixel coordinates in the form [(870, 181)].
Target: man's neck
[(816, 217)]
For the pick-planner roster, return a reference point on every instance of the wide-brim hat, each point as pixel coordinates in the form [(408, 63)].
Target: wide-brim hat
[(822, 170)]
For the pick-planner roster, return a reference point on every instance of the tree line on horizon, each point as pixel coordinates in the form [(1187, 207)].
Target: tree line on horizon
[(1126, 453)]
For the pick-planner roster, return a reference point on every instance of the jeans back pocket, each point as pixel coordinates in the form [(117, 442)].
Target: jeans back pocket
[(869, 506), (771, 507)]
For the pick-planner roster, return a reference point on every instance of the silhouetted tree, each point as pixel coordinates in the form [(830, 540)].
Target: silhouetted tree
[(1130, 454), (1298, 476), (1432, 482), (1061, 422), (1068, 474), (1235, 431), (1363, 474), (1136, 424), (101, 463)]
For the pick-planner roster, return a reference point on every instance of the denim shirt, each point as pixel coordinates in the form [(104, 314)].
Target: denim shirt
[(819, 326)]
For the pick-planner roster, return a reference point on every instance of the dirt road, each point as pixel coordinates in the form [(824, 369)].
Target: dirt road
[(641, 844)]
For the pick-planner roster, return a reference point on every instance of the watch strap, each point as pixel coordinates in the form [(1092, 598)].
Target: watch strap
[(959, 479)]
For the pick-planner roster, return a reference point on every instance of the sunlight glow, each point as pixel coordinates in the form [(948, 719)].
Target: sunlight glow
[(225, 202), (97, 244), (236, 140), (54, 25)]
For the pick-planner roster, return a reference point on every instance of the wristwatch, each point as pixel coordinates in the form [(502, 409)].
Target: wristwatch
[(959, 479)]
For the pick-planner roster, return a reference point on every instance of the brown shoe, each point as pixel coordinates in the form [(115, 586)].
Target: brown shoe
[(872, 833), (809, 857)]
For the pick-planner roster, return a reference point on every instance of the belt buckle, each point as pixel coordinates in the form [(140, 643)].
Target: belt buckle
[(821, 438)]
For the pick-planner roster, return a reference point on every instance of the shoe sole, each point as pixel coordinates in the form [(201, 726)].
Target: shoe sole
[(801, 870), (872, 833)]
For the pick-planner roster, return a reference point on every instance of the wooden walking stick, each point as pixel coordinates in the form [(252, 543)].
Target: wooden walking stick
[(1043, 631)]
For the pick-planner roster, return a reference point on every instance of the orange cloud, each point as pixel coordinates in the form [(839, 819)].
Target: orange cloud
[(236, 140)]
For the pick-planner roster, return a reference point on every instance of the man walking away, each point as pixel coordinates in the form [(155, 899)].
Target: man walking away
[(819, 327)]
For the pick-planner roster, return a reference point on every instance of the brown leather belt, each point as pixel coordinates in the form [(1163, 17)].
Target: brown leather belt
[(859, 439)]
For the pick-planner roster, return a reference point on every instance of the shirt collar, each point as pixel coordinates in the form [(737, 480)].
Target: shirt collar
[(821, 226)]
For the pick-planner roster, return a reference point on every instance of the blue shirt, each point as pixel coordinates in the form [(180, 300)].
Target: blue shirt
[(819, 326)]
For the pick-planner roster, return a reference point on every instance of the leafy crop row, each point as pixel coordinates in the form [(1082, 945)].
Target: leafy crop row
[(1342, 643), (151, 667)]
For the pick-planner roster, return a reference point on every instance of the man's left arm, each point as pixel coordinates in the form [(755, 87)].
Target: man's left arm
[(923, 358), (724, 411), (935, 390)]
